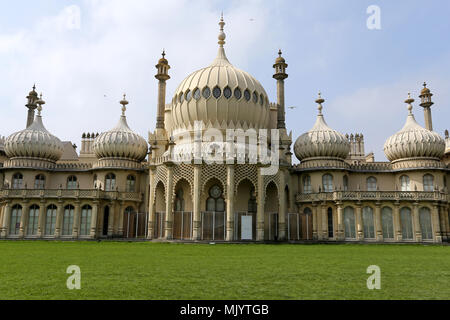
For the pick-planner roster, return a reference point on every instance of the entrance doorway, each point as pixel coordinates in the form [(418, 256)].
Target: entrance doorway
[(105, 221)]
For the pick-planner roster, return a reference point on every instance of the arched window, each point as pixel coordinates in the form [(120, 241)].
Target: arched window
[(188, 95), (349, 223), (39, 182), (131, 183), (307, 187), (179, 201), (327, 183), (405, 183), (50, 220), (388, 223), (17, 181), (330, 223), (255, 97), (33, 220), (197, 94), (69, 212), (247, 95), (16, 216), (110, 182), (252, 206), (407, 226), (428, 183), (215, 202), (206, 92), (217, 92), (227, 92), (371, 184), (72, 183), (85, 225), (345, 181), (369, 229), (425, 224)]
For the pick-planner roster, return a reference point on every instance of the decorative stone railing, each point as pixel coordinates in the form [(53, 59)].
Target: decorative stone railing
[(373, 196), (70, 194)]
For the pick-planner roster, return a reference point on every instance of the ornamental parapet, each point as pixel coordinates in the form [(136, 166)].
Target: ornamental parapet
[(339, 196), (9, 194)]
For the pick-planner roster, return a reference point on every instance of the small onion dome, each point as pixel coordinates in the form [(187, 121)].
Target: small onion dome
[(425, 90), (163, 60), (321, 142), (121, 142), (34, 142), (414, 141), (280, 59)]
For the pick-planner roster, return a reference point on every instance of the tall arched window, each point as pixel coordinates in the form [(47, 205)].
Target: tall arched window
[(252, 206), (85, 224), (179, 201), (327, 183), (215, 202), (69, 212), (72, 183), (388, 223), (50, 220), (371, 184), (349, 223), (405, 183), (407, 225), (330, 223), (110, 182), (16, 215), (345, 181), (307, 187), (39, 182), (17, 181), (369, 229), (33, 220), (428, 183), (131, 183), (425, 224)]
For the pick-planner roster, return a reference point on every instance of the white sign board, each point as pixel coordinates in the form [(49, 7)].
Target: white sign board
[(247, 228)]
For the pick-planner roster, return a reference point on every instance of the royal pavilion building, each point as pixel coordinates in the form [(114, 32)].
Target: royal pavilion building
[(185, 183)]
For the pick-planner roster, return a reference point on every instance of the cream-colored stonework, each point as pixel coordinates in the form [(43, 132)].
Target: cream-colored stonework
[(121, 186)]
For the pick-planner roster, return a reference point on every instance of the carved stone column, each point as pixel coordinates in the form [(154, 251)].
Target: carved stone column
[(359, 223), (111, 218), (417, 229), (151, 204), (282, 207), (315, 222), (340, 221), (197, 232), (59, 219), (6, 219), (41, 220), (378, 223), (94, 219), (76, 220), (324, 221), (261, 208), (121, 216), (436, 226), (169, 204), (23, 220), (230, 203), (397, 223)]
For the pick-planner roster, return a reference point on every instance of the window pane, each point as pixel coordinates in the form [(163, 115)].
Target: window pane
[(369, 229), (425, 224), (349, 223), (406, 220), (388, 223)]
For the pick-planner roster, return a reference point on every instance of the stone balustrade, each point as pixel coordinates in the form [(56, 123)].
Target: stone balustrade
[(9, 194)]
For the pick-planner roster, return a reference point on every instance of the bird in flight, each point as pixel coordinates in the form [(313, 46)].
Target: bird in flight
[(292, 108)]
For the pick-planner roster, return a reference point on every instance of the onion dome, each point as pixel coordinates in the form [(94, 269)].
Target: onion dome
[(121, 142), (414, 141), (222, 95), (35, 141), (280, 59), (321, 142)]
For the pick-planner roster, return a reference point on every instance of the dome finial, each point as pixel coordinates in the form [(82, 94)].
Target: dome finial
[(222, 35), (319, 101), (124, 104), (40, 103), (409, 102)]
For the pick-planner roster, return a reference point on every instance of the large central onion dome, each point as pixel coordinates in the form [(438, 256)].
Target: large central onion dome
[(321, 142), (34, 142), (121, 142), (414, 141), (220, 95)]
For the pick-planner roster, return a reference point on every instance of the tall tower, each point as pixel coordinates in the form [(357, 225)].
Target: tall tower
[(162, 75), (31, 105), (280, 75), (426, 104)]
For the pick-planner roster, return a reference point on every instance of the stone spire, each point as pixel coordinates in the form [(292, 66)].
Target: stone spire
[(162, 75), (31, 105), (280, 75), (426, 104)]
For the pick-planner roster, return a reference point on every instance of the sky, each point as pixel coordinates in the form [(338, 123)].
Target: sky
[(83, 55)]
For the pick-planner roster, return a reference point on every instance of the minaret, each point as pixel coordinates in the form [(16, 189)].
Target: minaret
[(426, 104), (162, 75), (280, 75), (31, 105)]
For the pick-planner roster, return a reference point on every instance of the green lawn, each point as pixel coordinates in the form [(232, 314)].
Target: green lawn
[(110, 270)]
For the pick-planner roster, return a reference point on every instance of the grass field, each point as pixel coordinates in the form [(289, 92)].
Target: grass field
[(111, 270)]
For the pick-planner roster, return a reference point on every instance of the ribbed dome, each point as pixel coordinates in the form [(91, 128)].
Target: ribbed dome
[(447, 146), (220, 94), (321, 142), (414, 141), (121, 142), (34, 142)]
